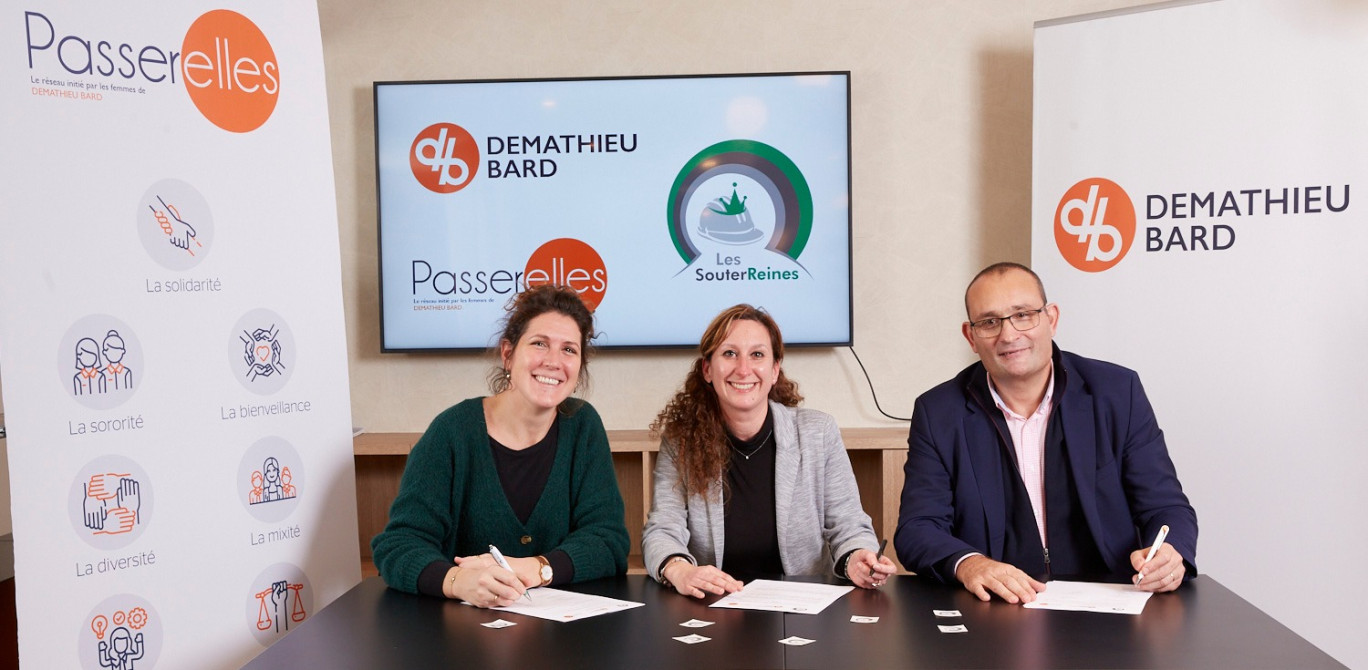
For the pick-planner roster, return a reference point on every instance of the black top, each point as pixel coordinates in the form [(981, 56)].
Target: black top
[(751, 536), (523, 474)]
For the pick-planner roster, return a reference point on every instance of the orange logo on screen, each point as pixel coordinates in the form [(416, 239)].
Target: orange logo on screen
[(230, 71), (444, 157), (569, 262), (1094, 224)]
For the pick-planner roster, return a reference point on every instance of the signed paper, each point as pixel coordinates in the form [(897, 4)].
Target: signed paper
[(791, 597), (1091, 597), (557, 605)]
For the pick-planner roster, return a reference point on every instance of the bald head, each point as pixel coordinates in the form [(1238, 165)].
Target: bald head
[(997, 270)]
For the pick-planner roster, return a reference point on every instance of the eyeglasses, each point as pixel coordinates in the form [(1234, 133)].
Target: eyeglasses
[(1022, 321)]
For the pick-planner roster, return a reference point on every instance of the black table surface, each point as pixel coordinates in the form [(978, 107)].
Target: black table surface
[(1202, 625)]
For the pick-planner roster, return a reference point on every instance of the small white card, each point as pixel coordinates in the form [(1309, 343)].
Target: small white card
[(946, 613), (795, 641), (959, 628), (498, 623), (864, 619), (693, 639), (696, 623)]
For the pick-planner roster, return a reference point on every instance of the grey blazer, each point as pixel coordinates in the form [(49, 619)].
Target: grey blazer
[(817, 504)]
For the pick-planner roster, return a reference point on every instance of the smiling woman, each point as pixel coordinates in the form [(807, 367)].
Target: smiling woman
[(526, 469), (735, 447)]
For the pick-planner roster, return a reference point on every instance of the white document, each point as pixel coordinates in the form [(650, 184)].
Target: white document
[(1091, 597), (791, 597), (557, 605)]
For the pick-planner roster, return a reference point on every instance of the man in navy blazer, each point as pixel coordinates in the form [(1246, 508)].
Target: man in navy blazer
[(1035, 462)]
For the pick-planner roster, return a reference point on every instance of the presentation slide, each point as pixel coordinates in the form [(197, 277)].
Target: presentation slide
[(661, 200)]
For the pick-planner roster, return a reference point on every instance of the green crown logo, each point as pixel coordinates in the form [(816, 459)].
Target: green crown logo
[(731, 208)]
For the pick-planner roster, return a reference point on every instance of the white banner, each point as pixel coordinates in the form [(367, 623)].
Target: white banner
[(172, 341), (1198, 214)]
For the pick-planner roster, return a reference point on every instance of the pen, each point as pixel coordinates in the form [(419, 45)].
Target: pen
[(503, 563), (1158, 540), (882, 545)]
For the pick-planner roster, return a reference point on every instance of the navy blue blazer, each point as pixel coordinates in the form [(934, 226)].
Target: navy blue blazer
[(952, 499)]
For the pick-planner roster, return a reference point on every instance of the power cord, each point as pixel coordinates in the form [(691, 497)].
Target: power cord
[(871, 388)]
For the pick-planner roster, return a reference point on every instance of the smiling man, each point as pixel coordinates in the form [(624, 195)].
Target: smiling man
[(1037, 463)]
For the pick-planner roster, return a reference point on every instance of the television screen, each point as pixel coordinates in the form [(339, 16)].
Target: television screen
[(661, 200)]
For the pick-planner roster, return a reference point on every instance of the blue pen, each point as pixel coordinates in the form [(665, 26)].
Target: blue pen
[(503, 563)]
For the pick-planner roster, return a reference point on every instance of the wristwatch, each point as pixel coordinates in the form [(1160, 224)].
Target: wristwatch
[(545, 573)]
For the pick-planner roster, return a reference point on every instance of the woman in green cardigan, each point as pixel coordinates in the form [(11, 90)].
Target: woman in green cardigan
[(527, 470)]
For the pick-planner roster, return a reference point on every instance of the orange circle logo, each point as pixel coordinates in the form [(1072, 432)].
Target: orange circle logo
[(1094, 224), (569, 262), (230, 71), (444, 157)]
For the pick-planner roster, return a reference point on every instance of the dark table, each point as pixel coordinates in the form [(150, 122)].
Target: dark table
[(1202, 625)]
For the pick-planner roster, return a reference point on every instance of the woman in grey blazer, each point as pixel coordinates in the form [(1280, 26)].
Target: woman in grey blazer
[(741, 467)]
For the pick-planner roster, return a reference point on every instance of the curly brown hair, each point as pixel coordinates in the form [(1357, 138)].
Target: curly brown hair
[(692, 421), (530, 304)]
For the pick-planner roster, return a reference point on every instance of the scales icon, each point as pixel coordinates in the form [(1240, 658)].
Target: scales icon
[(285, 606)]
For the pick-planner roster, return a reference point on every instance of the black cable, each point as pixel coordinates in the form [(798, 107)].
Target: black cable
[(871, 388)]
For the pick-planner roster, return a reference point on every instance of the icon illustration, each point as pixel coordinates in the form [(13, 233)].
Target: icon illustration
[(769, 175), (174, 224), (111, 504), (123, 646), (180, 236), (121, 633), (100, 368), (285, 606), (271, 483), (731, 223), (262, 351)]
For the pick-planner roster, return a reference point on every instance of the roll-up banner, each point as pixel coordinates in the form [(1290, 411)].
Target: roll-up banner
[(171, 331), (1199, 215)]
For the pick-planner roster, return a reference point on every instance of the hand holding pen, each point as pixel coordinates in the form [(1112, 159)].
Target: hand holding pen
[(503, 563), (1159, 568), (868, 569)]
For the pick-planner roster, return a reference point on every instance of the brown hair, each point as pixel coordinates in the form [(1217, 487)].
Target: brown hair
[(692, 421), (530, 304)]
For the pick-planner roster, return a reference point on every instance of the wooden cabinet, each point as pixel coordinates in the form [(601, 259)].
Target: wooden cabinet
[(876, 455)]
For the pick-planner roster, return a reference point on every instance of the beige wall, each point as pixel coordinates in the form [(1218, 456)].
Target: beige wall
[(941, 116)]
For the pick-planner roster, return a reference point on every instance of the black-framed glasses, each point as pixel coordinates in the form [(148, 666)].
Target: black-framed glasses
[(1022, 321)]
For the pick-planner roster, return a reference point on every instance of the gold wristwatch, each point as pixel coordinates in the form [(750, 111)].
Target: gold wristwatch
[(545, 573)]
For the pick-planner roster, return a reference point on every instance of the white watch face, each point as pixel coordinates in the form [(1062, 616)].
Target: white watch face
[(546, 573)]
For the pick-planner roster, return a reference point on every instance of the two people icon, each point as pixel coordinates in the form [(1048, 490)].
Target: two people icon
[(100, 367)]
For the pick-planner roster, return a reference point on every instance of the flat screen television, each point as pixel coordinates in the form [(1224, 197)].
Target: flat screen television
[(662, 200)]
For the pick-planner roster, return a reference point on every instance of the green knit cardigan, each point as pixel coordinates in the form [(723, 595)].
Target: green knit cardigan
[(451, 503)]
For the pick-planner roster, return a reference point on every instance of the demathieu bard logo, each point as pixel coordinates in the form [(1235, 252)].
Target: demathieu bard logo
[(228, 67), (1096, 220), (444, 158), (726, 217), (1094, 224)]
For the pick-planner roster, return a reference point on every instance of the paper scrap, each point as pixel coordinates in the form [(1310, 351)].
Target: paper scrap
[(692, 639), (696, 623), (957, 628), (794, 640), (864, 619), (946, 613), (499, 623)]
